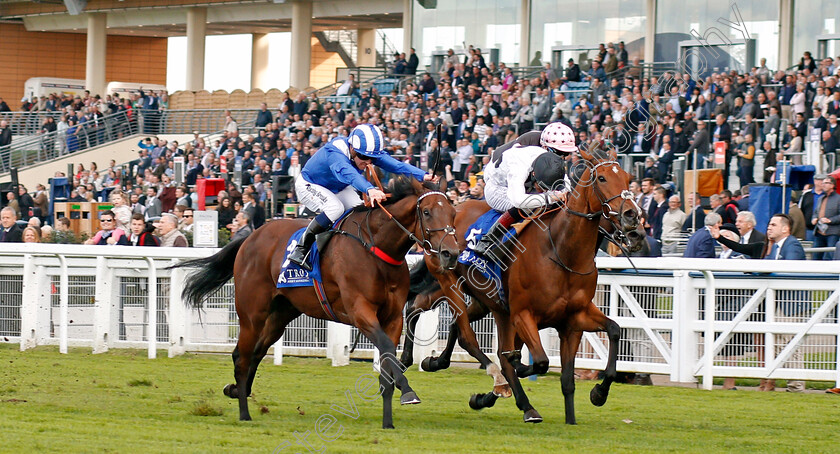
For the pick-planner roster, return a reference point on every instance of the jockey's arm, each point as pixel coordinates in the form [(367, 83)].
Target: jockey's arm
[(394, 166), (344, 172)]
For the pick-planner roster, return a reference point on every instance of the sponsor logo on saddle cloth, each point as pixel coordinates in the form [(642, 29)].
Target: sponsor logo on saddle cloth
[(292, 275), (489, 269)]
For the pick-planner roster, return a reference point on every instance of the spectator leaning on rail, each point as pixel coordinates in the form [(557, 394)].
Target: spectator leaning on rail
[(110, 234), (701, 244)]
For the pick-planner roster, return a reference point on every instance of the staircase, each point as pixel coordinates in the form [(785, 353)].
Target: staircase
[(345, 43)]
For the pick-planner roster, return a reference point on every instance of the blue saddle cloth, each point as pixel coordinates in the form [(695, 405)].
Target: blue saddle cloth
[(487, 268), (291, 275)]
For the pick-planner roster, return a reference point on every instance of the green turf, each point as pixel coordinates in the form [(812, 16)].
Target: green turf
[(123, 402)]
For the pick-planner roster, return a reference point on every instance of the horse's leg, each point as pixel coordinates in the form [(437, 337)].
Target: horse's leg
[(242, 355), (422, 302), (469, 342), (391, 372), (569, 342), (595, 320), (275, 325), (506, 343), (436, 363), (527, 329)]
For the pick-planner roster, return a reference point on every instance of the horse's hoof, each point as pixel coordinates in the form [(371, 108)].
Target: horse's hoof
[(502, 391), (406, 363), (409, 398), (474, 402), (426, 364), (387, 426), (230, 391), (532, 416), (598, 395), (245, 418)]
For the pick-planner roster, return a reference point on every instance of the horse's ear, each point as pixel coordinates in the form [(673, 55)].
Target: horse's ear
[(585, 151), (613, 153)]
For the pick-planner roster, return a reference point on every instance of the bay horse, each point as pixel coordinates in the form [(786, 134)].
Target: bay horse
[(550, 280), (363, 290)]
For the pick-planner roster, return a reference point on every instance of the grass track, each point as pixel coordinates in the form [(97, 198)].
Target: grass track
[(124, 403)]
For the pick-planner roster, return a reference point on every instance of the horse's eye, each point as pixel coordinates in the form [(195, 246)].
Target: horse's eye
[(602, 179), (426, 212)]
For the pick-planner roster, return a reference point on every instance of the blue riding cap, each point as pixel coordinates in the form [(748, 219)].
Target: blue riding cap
[(367, 140)]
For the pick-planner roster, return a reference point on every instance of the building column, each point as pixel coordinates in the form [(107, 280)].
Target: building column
[(97, 39), (366, 55), (650, 31), (301, 44), (524, 32), (408, 25), (196, 33), (786, 12), (259, 62)]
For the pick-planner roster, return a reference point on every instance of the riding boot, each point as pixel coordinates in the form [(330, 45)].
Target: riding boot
[(489, 243), (301, 250)]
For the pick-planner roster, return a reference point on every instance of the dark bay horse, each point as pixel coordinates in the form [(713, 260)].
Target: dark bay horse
[(363, 290), (550, 279)]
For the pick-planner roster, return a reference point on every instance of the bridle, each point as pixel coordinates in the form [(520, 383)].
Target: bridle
[(617, 236), (424, 242)]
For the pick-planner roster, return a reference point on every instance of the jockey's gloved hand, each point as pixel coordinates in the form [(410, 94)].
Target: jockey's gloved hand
[(430, 177), (376, 195), (559, 196)]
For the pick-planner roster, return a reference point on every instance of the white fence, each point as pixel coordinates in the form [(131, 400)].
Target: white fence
[(778, 320)]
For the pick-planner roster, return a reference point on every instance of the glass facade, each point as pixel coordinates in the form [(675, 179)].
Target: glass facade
[(495, 24), (822, 18), (587, 23), (676, 19), (453, 24)]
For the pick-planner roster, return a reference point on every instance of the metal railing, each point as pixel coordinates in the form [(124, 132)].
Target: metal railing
[(28, 123), (776, 324), (46, 146)]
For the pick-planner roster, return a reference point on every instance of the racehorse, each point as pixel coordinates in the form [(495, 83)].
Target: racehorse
[(550, 281), (363, 289)]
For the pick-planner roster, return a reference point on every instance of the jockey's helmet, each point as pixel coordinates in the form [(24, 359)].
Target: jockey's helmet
[(550, 171), (367, 140), (559, 137)]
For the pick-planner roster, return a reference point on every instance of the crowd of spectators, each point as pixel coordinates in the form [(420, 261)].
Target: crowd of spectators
[(479, 106)]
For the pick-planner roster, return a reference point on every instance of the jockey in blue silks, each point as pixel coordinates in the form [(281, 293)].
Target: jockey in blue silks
[(332, 176)]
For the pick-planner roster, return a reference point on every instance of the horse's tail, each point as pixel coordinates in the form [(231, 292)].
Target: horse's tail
[(215, 272)]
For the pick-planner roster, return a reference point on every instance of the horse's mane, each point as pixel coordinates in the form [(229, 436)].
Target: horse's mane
[(399, 187)]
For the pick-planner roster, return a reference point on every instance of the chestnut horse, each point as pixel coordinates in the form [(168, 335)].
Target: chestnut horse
[(363, 290), (550, 279)]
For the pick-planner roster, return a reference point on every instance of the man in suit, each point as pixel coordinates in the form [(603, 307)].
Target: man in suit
[(790, 307), (701, 244), (834, 104), (810, 198), (10, 232), (695, 217), (745, 223), (826, 218), (656, 212), (255, 211), (154, 208)]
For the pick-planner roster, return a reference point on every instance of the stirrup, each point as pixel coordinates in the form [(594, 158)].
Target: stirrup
[(300, 261)]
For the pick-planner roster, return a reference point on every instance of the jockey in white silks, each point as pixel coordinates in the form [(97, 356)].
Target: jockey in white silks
[(513, 167), (332, 176)]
